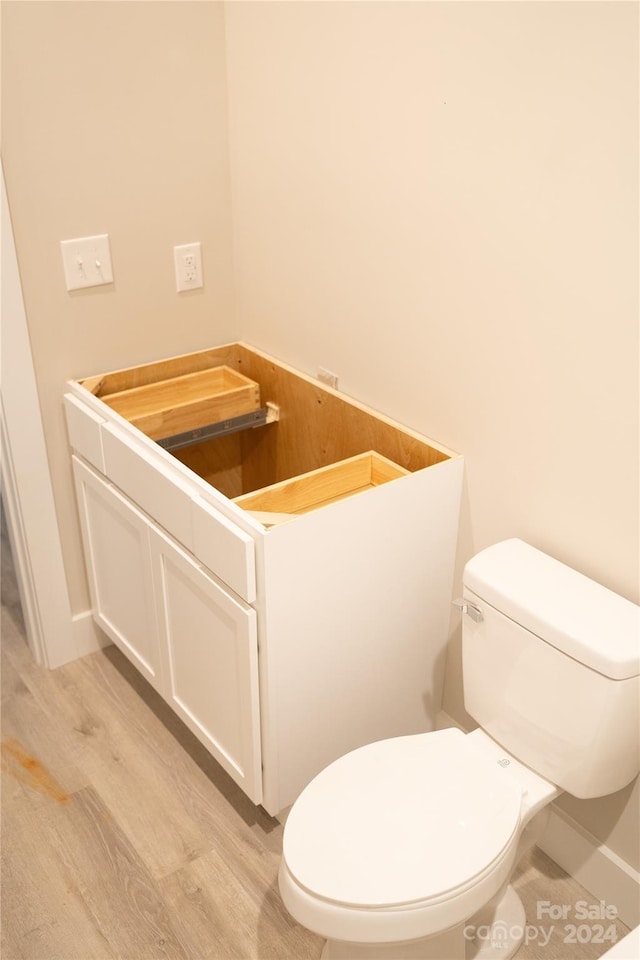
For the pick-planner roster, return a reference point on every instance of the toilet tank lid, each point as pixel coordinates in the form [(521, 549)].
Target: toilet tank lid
[(566, 609)]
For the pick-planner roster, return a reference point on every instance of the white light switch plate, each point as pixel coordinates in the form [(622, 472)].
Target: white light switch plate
[(87, 261)]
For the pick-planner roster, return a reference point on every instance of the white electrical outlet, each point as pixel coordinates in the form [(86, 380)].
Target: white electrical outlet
[(188, 263), (87, 261)]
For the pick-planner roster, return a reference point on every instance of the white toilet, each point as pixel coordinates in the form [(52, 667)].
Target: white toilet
[(405, 847)]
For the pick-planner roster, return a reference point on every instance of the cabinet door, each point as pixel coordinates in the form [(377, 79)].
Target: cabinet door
[(209, 640), (116, 545)]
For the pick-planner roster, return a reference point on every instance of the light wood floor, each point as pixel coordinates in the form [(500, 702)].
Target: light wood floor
[(123, 839)]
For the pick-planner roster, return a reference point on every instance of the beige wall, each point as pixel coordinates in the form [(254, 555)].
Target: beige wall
[(114, 121), (438, 201)]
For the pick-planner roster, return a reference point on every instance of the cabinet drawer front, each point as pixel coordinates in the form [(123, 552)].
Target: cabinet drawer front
[(211, 670), (83, 427), (160, 494), (223, 547)]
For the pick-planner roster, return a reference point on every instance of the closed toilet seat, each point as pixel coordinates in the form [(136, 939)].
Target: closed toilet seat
[(400, 839)]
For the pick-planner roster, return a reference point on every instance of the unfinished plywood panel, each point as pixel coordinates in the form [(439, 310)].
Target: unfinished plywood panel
[(318, 427), (104, 384), (182, 403), (321, 487), (218, 461)]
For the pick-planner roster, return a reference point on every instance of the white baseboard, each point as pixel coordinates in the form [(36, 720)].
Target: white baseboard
[(600, 871), (88, 636), (84, 636)]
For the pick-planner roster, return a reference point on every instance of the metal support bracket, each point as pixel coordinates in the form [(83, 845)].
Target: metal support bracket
[(246, 421)]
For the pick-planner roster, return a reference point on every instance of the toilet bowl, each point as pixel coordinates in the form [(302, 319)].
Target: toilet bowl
[(403, 859), (402, 848)]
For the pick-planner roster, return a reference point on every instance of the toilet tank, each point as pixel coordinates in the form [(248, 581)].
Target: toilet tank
[(551, 667)]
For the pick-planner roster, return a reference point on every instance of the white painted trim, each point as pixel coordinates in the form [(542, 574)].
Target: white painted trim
[(87, 637), (31, 515), (600, 871), (17, 541), (626, 949)]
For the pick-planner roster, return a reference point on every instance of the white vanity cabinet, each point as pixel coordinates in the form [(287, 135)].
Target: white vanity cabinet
[(275, 558)]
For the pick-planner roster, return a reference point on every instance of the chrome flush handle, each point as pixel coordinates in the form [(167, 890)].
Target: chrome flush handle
[(464, 606)]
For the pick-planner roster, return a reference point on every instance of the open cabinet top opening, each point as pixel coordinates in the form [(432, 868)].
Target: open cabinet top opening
[(324, 446)]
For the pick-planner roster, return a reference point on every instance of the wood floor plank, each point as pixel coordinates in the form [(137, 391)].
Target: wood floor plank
[(209, 795), (222, 919), (27, 736), (189, 766), (97, 715), (117, 889), (11, 681), (142, 773), (189, 801), (43, 915)]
